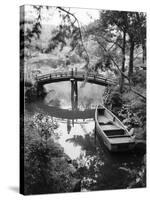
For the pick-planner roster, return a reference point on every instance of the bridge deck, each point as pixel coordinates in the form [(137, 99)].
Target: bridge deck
[(79, 76)]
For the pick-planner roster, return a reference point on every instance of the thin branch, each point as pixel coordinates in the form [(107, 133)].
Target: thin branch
[(110, 41), (111, 58), (138, 94), (111, 47), (137, 55)]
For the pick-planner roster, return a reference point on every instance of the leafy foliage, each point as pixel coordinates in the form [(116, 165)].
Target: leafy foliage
[(68, 33), (29, 30), (46, 166), (113, 98), (139, 77), (31, 94), (127, 106), (45, 126)]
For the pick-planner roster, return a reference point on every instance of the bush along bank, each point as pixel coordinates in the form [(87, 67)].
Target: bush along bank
[(34, 92), (47, 168)]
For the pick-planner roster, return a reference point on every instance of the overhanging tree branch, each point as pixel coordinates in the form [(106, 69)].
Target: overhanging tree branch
[(133, 90), (110, 41), (80, 33)]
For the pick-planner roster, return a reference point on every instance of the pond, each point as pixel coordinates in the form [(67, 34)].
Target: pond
[(97, 167)]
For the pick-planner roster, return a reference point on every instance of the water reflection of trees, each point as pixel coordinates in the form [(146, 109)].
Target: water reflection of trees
[(55, 102), (90, 161), (86, 102), (98, 168), (86, 142)]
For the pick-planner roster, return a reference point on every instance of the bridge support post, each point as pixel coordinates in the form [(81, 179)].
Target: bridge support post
[(74, 94)]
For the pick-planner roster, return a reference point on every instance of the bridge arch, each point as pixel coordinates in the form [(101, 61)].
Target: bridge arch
[(76, 75)]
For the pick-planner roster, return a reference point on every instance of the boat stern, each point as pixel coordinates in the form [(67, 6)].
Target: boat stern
[(122, 147)]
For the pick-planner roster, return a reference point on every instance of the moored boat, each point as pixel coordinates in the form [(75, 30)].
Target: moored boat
[(112, 131)]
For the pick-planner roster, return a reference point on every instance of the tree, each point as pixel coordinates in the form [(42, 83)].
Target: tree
[(136, 30), (30, 30), (120, 30), (120, 20), (141, 18)]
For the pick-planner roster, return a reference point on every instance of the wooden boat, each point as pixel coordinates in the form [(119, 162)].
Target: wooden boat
[(112, 131)]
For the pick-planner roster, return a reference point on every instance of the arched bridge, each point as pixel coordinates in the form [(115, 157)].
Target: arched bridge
[(76, 75), (73, 77)]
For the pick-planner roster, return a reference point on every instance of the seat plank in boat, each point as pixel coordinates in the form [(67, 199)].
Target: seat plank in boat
[(119, 140), (103, 120)]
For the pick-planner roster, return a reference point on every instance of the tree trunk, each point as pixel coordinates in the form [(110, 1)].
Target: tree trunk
[(142, 36), (131, 58), (144, 53), (123, 61)]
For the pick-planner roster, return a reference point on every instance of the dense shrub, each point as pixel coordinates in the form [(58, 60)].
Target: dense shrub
[(31, 94), (139, 77), (45, 171), (46, 166), (130, 108), (113, 99)]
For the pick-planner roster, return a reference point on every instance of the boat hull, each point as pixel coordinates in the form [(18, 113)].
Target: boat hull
[(114, 143)]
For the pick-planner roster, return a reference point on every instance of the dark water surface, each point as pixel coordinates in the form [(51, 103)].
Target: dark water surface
[(97, 168)]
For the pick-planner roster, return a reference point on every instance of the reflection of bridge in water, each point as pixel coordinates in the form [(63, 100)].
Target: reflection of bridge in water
[(70, 117), (68, 114), (73, 77)]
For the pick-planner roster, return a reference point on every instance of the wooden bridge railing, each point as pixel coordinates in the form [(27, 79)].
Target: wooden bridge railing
[(74, 74)]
